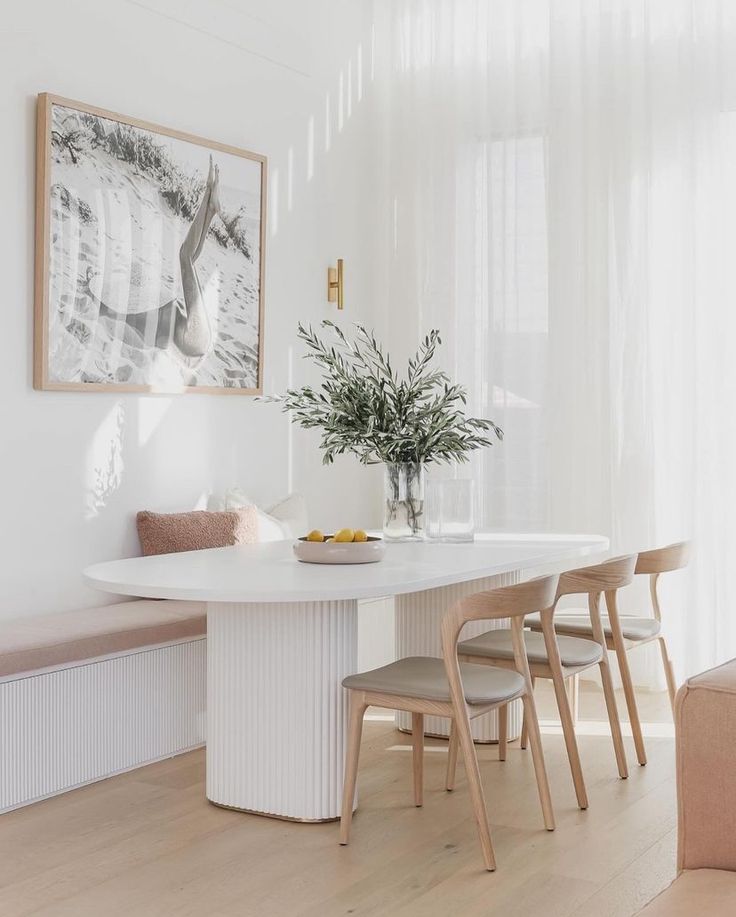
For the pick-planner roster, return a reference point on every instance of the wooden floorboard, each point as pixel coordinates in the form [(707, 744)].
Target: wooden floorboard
[(147, 844)]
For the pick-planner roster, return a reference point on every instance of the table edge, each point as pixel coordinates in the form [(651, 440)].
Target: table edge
[(342, 592)]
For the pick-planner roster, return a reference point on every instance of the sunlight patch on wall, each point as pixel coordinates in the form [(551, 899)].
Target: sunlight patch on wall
[(310, 148), (359, 71), (104, 461), (340, 104), (328, 128), (341, 101), (373, 53), (290, 179), (274, 208), (350, 87)]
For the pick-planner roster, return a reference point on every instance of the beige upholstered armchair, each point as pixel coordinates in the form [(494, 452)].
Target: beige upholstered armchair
[(705, 719)]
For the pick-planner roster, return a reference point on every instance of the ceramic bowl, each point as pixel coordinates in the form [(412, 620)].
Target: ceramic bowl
[(351, 552)]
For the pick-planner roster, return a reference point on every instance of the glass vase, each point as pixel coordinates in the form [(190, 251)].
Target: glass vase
[(403, 518)]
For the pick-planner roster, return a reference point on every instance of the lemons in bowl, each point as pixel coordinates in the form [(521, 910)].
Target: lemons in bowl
[(343, 536), (346, 546)]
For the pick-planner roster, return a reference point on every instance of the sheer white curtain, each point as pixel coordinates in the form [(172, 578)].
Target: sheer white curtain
[(560, 200)]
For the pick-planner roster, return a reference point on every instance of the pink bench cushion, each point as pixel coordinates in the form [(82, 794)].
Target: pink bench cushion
[(34, 643), (170, 533)]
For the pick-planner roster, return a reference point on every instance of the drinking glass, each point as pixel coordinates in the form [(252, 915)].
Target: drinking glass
[(449, 511)]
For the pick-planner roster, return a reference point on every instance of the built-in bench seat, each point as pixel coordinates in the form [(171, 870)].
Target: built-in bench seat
[(88, 694), (45, 641)]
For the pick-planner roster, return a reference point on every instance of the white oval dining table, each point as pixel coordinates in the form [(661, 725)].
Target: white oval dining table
[(281, 636)]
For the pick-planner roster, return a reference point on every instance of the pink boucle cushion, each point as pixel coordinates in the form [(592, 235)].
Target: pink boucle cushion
[(169, 533)]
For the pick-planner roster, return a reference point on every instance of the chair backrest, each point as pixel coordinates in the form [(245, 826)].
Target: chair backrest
[(605, 577), (512, 602), (663, 560)]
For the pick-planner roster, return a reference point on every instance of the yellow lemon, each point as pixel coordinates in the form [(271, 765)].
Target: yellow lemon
[(344, 535), (360, 535), (330, 541), (315, 535)]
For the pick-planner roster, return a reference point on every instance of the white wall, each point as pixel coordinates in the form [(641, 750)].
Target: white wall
[(267, 75)]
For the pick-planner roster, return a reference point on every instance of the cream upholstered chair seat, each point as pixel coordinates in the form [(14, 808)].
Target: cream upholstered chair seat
[(578, 623), (426, 678), (499, 644)]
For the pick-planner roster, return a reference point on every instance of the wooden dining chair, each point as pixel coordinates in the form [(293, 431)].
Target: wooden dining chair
[(444, 687), (625, 632), (559, 658)]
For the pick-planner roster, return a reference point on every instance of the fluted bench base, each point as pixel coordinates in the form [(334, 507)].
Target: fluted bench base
[(120, 704)]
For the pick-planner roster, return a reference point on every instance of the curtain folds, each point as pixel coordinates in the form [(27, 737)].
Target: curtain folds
[(560, 200)]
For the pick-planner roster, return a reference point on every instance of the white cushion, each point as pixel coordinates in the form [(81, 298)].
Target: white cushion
[(283, 521), (291, 512), (270, 529)]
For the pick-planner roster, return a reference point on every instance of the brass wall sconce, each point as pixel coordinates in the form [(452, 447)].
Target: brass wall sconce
[(335, 290)]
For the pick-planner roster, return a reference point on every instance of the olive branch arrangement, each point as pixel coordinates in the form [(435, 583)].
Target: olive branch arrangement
[(363, 407)]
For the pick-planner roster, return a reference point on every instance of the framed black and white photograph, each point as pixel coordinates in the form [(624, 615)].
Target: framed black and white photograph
[(149, 256)]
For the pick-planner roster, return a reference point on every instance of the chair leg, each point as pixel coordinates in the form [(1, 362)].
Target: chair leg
[(476, 791), (540, 771), (669, 672), (503, 729), (573, 687), (451, 758), (571, 742), (615, 723), (524, 731), (355, 730), (417, 744), (629, 694)]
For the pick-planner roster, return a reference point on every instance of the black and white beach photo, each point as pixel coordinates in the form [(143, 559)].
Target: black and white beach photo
[(151, 256)]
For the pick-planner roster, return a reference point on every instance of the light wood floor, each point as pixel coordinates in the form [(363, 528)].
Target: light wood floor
[(147, 844)]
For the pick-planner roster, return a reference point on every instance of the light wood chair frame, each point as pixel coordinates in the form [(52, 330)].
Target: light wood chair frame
[(652, 564), (512, 602), (605, 578)]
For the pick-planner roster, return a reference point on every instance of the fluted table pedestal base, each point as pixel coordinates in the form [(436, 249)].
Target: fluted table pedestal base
[(276, 711)]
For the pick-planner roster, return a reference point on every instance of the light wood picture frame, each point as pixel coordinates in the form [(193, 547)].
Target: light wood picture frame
[(150, 256)]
